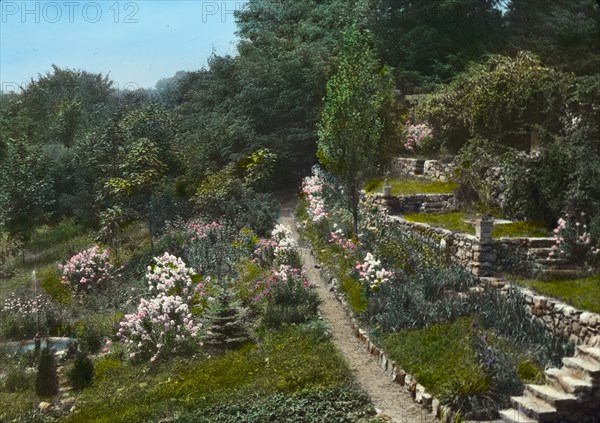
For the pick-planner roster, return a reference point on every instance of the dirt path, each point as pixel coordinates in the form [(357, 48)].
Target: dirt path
[(384, 393)]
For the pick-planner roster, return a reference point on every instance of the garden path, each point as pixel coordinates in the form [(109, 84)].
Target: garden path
[(394, 405)]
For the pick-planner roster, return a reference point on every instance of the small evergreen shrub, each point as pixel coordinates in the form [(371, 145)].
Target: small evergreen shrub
[(46, 382), (82, 372)]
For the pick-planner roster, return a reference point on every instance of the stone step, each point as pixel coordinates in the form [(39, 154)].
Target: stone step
[(512, 415), (582, 367), (540, 251), (591, 354), (561, 273), (568, 383), (552, 265), (559, 399), (553, 262), (535, 408), (541, 242)]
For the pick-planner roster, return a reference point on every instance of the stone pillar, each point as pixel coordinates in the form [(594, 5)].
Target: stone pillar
[(483, 229), (387, 189), (483, 253)]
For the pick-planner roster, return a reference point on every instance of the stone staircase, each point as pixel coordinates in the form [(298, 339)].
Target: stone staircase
[(571, 394), (555, 268)]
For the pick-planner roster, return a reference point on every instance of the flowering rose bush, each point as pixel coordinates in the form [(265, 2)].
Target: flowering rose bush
[(162, 326), (573, 240), (88, 270), (416, 135), (372, 273)]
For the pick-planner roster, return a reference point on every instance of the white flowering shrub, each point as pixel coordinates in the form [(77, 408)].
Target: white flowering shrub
[(21, 316), (170, 276), (169, 322), (372, 273), (281, 248), (313, 191), (161, 327)]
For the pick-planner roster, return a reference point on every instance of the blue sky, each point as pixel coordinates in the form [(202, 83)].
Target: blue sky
[(137, 42)]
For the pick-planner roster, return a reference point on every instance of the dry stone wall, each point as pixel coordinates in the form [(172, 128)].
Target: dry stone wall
[(580, 327), (431, 169), (481, 259)]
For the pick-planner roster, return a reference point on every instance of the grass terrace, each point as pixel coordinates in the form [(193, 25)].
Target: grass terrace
[(581, 293), (459, 222), (411, 186)]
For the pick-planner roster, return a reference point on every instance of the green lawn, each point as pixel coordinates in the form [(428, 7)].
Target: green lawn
[(438, 356), (283, 368), (444, 358), (456, 222), (411, 186), (580, 293)]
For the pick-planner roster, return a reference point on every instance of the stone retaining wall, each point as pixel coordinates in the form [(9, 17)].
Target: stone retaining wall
[(417, 203), (580, 327), (486, 258), (464, 249), (430, 169)]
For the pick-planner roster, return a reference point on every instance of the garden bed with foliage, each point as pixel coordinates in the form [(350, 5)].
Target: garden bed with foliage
[(400, 287), (227, 329)]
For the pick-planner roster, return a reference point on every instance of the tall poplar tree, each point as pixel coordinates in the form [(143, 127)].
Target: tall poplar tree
[(351, 129)]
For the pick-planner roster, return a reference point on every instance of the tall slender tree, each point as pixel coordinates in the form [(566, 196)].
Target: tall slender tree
[(351, 128)]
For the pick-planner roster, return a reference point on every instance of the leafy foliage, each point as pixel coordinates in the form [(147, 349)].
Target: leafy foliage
[(351, 127)]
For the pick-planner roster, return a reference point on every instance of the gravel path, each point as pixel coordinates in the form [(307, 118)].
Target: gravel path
[(395, 405)]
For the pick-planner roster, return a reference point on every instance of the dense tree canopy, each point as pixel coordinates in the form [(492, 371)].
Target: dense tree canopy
[(73, 145)]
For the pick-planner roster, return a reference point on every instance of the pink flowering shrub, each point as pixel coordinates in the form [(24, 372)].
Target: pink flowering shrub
[(284, 296), (573, 240), (282, 274), (416, 135), (347, 247), (89, 270), (161, 327), (281, 248), (372, 273)]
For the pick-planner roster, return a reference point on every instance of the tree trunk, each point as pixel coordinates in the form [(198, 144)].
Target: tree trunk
[(354, 200)]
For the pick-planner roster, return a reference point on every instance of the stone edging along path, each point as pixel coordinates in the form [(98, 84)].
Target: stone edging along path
[(394, 393)]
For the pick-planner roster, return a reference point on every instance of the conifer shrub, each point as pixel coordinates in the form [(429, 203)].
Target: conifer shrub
[(82, 372), (46, 382)]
